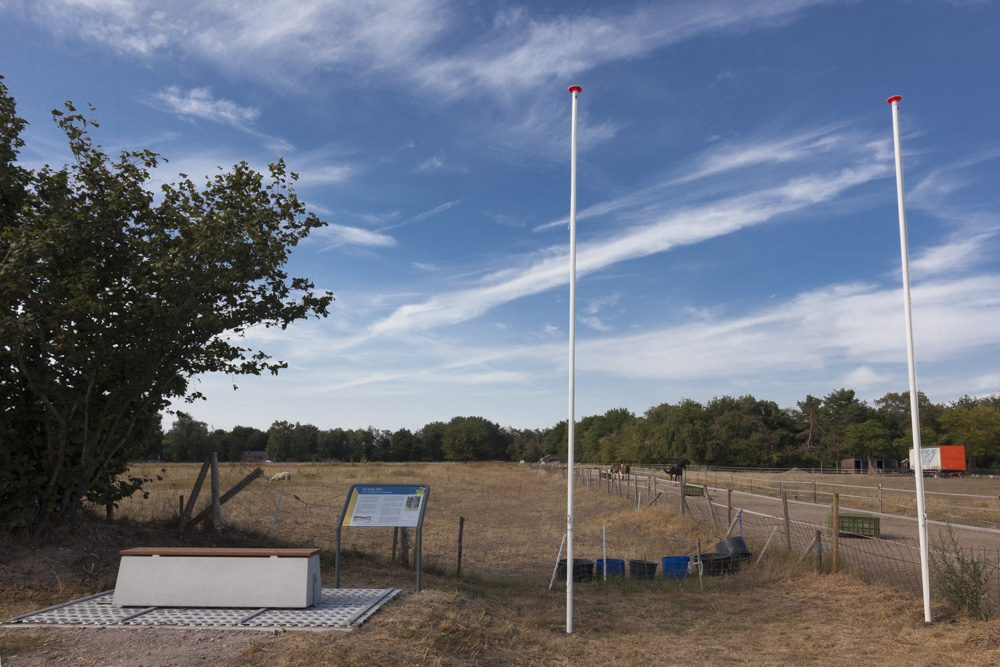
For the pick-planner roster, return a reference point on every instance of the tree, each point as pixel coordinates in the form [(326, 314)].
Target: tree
[(870, 439), (473, 439), (977, 428), (187, 439), (112, 298)]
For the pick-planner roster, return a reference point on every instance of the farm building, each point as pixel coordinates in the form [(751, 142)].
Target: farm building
[(864, 466), (553, 459), (255, 457)]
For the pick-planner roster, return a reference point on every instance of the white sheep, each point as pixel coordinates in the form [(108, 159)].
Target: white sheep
[(281, 476)]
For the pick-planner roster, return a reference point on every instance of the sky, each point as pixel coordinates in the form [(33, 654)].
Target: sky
[(737, 225)]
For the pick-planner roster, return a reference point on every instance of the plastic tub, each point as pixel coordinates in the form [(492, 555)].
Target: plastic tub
[(642, 569), (716, 563), (616, 567), (676, 567), (735, 546), (583, 569)]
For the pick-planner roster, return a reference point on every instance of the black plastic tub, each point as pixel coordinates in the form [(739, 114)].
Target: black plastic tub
[(734, 546), (583, 569), (717, 564), (642, 569)]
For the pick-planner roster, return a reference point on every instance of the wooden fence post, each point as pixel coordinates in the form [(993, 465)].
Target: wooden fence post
[(461, 528), (216, 505)]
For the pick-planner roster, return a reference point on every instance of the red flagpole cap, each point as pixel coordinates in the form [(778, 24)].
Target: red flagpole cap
[(575, 89), (894, 98)]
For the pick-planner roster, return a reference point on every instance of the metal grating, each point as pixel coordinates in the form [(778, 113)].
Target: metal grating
[(338, 608)]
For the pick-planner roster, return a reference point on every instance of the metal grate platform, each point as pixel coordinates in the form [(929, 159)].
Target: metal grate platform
[(341, 608)]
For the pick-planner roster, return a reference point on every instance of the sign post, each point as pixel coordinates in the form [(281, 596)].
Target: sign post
[(386, 506)]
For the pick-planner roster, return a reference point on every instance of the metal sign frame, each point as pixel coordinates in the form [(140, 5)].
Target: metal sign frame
[(386, 506)]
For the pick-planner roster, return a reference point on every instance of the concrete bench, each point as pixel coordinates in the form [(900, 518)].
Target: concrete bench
[(218, 577)]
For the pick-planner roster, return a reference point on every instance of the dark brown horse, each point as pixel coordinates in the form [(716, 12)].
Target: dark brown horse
[(676, 470)]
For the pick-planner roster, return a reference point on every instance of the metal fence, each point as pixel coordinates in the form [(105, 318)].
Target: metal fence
[(795, 528)]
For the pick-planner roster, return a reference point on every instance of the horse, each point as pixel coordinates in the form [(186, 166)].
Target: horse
[(619, 470), (676, 470)]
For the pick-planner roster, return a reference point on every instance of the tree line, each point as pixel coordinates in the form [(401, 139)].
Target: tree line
[(725, 431)]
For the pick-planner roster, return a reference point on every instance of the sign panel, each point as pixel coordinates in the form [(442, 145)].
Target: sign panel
[(385, 505)]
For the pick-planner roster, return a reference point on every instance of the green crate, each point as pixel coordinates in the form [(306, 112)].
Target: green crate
[(692, 490), (855, 525)]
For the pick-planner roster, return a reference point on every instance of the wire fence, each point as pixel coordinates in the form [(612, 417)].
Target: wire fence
[(894, 561), (475, 533), (886, 496)]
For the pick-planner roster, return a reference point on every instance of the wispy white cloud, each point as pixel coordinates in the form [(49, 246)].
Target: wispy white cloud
[(334, 236), (426, 214), (198, 103), (663, 232), (283, 39)]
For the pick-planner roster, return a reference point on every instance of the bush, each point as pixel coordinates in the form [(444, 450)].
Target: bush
[(962, 577)]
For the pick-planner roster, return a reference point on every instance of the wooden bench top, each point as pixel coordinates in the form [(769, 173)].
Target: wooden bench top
[(219, 551)]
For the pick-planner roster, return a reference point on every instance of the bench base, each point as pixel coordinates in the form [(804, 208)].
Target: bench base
[(243, 581)]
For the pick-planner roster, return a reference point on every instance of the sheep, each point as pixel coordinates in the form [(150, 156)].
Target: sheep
[(281, 476)]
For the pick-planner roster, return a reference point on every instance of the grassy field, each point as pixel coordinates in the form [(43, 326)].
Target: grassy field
[(501, 611)]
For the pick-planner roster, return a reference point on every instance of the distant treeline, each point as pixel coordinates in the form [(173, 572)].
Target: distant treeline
[(725, 431)]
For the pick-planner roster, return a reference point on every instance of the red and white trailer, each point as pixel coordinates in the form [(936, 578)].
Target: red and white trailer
[(940, 460)]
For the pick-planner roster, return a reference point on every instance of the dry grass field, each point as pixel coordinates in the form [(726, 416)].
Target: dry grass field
[(501, 610)]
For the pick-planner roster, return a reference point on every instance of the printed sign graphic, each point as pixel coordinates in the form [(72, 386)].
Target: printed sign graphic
[(386, 506)]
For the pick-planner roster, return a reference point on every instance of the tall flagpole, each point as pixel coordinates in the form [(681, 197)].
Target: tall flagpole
[(918, 472), (571, 423)]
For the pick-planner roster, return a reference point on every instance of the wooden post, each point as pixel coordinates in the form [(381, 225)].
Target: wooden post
[(186, 514), (711, 508), (395, 538), (788, 524), (729, 505), (216, 505), (182, 504), (814, 491), (404, 546), (681, 489), (819, 552), (836, 530), (461, 528), (880, 497)]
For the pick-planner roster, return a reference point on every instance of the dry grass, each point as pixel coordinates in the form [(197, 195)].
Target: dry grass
[(501, 611)]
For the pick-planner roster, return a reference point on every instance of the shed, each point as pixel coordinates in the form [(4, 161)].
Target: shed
[(858, 465)]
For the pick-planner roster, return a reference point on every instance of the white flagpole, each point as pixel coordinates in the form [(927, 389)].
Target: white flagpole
[(918, 472), (571, 423)]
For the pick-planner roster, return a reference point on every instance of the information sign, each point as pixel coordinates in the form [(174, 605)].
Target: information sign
[(387, 506)]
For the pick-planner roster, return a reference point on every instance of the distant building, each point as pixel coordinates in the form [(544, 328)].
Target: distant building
[(553, 459), (255, 457), (858, 465)]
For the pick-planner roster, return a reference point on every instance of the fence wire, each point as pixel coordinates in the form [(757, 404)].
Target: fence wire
[(895, 561)]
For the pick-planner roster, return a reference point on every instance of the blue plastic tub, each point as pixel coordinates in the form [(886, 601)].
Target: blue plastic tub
[(676, 567), (616, 567)]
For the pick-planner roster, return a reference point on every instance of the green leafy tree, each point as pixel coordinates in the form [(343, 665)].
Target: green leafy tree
[(112, 298), (432, 437), (187, 439), (977, 428), (871, 439), (473, 439)]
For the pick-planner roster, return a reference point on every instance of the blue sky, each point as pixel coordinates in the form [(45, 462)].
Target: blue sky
[(737, 223)]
